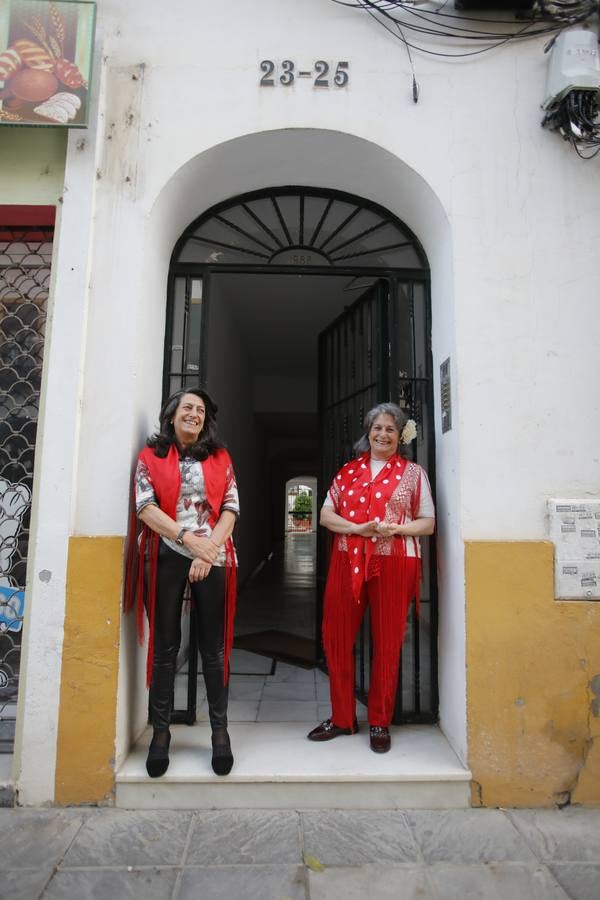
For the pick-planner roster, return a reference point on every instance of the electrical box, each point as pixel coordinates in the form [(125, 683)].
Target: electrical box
[(574, 65)]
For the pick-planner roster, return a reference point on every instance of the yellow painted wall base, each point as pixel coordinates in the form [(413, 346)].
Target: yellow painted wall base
[(88, 691), (533, 681)]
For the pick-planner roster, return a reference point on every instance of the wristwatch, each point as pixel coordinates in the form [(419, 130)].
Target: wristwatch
[(179, 538)]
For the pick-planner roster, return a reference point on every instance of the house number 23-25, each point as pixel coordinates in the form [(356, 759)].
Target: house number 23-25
[(321, 74)]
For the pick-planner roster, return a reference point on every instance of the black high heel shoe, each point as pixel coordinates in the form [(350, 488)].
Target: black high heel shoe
[(222, 757), (157, 761)]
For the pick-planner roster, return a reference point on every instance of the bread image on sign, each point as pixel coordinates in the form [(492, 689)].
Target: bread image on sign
[(41, 76)]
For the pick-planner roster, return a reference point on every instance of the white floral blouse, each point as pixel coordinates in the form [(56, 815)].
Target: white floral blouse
[(193, 508)]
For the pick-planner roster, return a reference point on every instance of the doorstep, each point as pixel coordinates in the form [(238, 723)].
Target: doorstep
[(276, 767)]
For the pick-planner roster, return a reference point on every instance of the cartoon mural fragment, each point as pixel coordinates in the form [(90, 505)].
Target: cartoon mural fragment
[(14, 502)]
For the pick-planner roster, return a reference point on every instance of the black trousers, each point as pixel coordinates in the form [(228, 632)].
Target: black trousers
[(209, 599)]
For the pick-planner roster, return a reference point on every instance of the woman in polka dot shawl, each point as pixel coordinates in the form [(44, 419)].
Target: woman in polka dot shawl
[(378, 506)]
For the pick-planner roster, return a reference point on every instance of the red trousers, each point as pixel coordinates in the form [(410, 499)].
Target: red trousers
[(388, 596)]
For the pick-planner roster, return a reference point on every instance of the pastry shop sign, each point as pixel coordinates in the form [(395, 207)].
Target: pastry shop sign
[(46, 54)]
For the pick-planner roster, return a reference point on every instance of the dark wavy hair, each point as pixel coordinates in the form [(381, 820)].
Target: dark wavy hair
[(208, 439), (382, 409)]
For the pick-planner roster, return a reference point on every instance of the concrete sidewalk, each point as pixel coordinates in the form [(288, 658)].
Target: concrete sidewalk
[(110, 854)]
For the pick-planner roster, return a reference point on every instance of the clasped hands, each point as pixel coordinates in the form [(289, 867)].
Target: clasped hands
[(377, 529), (205, 553)]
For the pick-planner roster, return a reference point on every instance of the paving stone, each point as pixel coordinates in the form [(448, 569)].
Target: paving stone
[(245, 837), (468, 836), (581, 881), (23, 884), (378, 882), (232, 882), (355, 837), (112, 884), (119, 837), (34, 839), (494, 881), (570, 834)]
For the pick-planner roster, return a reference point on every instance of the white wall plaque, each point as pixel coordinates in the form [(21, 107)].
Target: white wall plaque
[(575, 531)]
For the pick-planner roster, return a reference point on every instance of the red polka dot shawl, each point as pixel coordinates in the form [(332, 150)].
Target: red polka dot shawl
[(391, 496)]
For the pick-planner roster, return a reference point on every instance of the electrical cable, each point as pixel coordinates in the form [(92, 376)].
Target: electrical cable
[(497, 43), (376, 8), (576, 116), (572, 7)]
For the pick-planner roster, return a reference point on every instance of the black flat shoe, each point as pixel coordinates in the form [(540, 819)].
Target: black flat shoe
[(327, 731), (380, 739), (157, 761), (222, 757)]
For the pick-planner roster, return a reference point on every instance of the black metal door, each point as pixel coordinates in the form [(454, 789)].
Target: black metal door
[(378, 350)]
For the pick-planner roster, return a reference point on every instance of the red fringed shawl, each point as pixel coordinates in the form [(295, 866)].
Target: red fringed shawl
[(388, 497), (143, 543)]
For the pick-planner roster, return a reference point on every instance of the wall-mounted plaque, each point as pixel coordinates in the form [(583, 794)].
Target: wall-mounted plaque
[(46, 52), (574, 526), (446, 397)]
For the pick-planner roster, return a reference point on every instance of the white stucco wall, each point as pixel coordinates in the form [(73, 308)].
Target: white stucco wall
[(521, 205), (509, 217), (55, 460), (33, 166)]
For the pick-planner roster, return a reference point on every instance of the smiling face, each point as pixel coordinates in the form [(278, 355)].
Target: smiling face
[(188, 420), (383, 437)]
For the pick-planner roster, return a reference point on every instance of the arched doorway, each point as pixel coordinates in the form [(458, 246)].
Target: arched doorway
[(300, 308)]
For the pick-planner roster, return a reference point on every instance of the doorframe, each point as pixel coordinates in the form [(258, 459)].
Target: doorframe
[(206, 271)]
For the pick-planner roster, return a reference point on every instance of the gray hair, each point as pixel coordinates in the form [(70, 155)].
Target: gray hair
[(382, 409)]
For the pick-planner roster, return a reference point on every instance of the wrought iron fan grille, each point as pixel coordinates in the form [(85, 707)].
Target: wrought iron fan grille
[(293, 226)]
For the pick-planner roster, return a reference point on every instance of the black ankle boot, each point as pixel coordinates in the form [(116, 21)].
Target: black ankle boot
[(222, 757), (157, 762)]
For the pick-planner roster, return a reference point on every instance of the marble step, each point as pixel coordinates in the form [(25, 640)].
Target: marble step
[(277, 768)]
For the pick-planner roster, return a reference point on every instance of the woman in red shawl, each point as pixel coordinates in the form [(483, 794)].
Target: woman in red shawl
[(187, 503), (377, 507)]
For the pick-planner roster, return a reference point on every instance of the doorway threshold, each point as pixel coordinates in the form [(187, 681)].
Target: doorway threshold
[(276, 767)]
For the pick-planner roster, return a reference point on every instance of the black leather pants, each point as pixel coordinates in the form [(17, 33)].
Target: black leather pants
[(209, 599)]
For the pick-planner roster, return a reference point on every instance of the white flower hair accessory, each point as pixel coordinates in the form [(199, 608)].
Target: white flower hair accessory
[(409, 432)]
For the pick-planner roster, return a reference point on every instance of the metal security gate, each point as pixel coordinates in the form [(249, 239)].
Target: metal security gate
[(378, 350), (25, 257)]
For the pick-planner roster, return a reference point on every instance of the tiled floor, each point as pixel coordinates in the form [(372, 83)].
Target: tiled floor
[(280, 597), (290, 694)]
